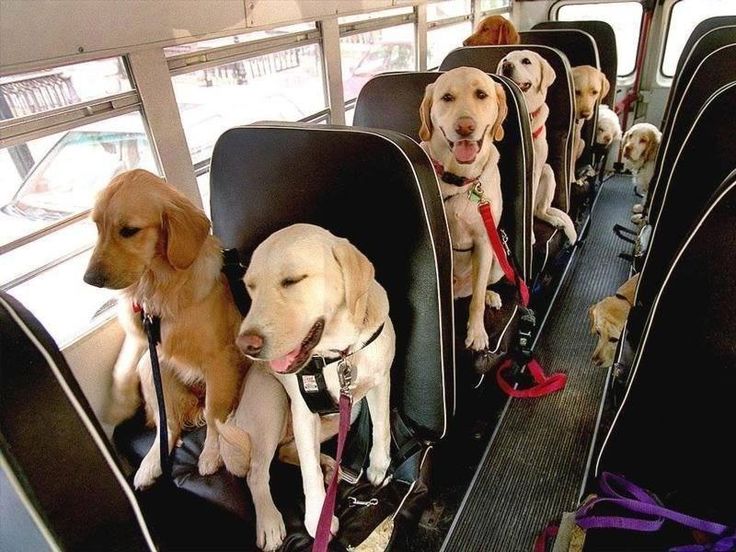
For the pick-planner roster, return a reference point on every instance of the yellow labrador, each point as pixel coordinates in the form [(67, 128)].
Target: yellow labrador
[(313, 295), (640, 145), (155, 246), (607, 319), (590, 86), (533, 75), (462, 113)]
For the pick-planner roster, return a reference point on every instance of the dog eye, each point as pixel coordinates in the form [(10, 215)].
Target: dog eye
[(595, 92), (448, 97), (642, 140), (129, 231), (526, 61), (577, 92), (613, 339), (480, 94), (288, 282)]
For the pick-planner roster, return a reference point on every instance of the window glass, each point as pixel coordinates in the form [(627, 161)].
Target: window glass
[(349, 114), (624, 17), (442, 40), (367, 54), (447, 9), (686, 14), (286, 86), (30, 93), (487, 5), (236, 39), (374, 15)]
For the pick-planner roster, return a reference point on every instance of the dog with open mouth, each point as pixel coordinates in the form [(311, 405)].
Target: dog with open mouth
[(314, 299), (534, 75), (462, 114)]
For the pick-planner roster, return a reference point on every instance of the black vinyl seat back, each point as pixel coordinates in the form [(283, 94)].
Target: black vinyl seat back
[(377, 189), (391, 101), (706, 156), (559, 99), (580, 49), (711, 65), (54, 448), (605, 40), (670, 432)]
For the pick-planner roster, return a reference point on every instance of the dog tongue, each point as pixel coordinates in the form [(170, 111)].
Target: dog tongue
[(282, 364), (465, 150)]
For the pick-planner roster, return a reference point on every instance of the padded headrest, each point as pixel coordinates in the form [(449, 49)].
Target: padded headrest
[(391, 101), (559, 99), (705, 158), (377, 189), (605, 40), (700, 30), (677, 416), (56, 450), (712, 71)]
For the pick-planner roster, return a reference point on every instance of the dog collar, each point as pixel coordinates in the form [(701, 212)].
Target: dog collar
[(311, 378), (537, 132), (451, 178)]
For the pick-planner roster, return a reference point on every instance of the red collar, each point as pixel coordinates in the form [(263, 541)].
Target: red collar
[(451, 178), (537, 132), (137, 308)]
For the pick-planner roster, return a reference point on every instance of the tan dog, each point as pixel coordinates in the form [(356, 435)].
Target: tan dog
[(590, 86), (607, 319), (493, 30), (155, 246), (462, 113), (534, 75), (639, 147), (314, 295)]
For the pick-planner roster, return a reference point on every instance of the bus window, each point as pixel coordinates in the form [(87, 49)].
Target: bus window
[(448, 24), (684, 17), (624, 17)]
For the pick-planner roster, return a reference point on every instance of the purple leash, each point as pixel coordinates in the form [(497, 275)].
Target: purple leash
[(618, 492)]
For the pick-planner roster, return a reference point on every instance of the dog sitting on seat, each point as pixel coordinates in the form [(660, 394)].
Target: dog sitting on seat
[(493, 30), (155, 246), (462, 113), (533, 75), (590, 86)]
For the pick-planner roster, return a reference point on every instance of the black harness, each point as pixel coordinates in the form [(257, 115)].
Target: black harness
[(312, 383)]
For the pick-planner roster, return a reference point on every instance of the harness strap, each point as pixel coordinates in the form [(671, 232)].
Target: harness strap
[(152, 327), (485, 212), (619, 493), (322, 536)]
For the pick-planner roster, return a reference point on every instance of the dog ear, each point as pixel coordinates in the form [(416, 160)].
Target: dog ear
[(357, 276), (591, 315), (605, 87), (548, 74), (503, 110), (186, 228), (508, 32), (425, 131), (652, 146)]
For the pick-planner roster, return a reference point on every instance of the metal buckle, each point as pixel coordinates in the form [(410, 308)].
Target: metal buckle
[(504, 240), (350, 476), (475, 194)]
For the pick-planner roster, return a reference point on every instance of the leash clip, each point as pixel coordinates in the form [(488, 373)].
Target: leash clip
[(505, 240), (345, 377), (475, 193), (355, 502)]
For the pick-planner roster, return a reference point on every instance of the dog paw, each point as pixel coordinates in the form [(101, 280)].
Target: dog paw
[(477, 338), (209, 461), (329, 466), (376, 472), (638, 208), (637, 219), (493, 299), (311, 522), (148, 471), (270, 530)]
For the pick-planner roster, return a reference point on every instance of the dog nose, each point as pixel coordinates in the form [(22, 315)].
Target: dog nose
[(585, 114), (507, 68), (94, 278), (250, 343), (465, 42), (465, 126)]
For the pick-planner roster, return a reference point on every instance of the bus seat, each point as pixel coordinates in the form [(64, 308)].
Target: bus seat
[(54, 451), (377, 189), (580, 49), (709, 66), (391, 101), (668, 435)]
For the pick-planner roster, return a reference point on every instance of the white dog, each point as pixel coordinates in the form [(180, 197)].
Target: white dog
[(640, 146), (462, 113), (313, 295), (609, 127), (534, 75)]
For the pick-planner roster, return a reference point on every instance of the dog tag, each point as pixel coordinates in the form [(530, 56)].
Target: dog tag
[(310, 384)]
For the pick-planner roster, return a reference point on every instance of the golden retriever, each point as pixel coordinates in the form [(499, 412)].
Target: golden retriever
[(493, 30), (462, 113), (639, 147), (590, 86), (607, 319), (314, 295), (155, 246), (534, 75)]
